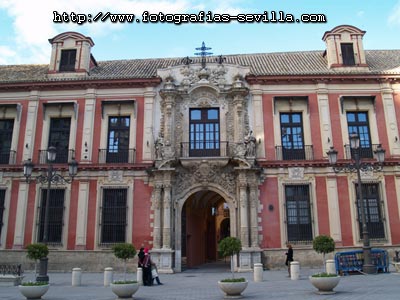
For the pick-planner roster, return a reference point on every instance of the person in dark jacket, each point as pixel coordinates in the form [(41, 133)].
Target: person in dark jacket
[(289, 256), (140, 262), (140, 257), (146, 265)]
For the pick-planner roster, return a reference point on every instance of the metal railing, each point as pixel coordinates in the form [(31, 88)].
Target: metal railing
[(365, 152), (205, 149), (306, 153), (8, 157), (119, 156), (63, 156)]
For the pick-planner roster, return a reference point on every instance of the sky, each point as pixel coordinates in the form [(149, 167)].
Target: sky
[(26, 26)]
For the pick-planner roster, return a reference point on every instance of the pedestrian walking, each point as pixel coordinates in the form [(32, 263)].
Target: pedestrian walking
[(289, 256)]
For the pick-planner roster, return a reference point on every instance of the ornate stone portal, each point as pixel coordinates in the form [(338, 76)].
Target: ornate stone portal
[(177, 175)]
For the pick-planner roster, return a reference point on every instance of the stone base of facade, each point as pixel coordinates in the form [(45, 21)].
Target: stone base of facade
[(247, 258), (164, 259), (97, 261)]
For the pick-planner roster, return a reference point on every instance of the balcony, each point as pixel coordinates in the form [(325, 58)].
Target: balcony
[(8, 157), (204, 149), (365, 152), (63, 156), (306, 153), (117, 156)]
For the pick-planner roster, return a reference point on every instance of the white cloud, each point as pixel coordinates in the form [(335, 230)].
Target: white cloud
[(6, 55), (33, 20), (394, 17)]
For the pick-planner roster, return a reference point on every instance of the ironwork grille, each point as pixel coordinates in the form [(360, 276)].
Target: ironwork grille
[(118, 139), (59, 137), (56, 216), (2, 200), (113, 216), (6, 132), (292, 136), (298, 213), (372, 210), (67, 62), (204, 134), (357, 122), (348, 54)]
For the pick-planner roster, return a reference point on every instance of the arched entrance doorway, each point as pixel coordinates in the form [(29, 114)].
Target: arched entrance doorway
[(205, 221)]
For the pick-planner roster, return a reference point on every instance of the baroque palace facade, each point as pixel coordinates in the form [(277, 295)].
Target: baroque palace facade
[(176, 153)]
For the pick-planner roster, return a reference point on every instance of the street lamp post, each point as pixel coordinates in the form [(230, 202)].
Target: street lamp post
[(357, 166), (51, 177)]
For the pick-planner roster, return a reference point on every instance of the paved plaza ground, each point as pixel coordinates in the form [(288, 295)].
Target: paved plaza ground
[(201, 284)]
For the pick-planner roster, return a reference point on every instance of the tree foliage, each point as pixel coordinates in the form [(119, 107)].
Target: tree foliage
[(37, 251), (124, 251), (229, 246), (323, 244)]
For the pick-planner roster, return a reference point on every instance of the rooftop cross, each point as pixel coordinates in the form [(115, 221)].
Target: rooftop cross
[(203, 53)]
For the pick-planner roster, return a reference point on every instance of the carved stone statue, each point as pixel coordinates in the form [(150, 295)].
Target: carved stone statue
[(159, 146), (250, 144)]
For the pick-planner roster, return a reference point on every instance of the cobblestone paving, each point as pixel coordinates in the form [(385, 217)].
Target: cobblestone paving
[(201, 284)]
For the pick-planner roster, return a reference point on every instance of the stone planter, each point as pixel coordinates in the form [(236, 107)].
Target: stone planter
[(233, 289), (125, 290), (33, 291), (325, 285)]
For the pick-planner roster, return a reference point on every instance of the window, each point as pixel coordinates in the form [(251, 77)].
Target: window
[(55, 216), (118, 139), (6, 133), (2, 203), (59, 138), (357, 122), (348, 54), (204, 135), (298, 212), (372, 209), (292, 136), (113, 216), (67, 62)]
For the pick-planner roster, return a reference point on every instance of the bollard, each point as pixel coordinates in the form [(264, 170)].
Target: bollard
[(139, 276), (76, 276), (258, 272), (294, 270), (108, 276), (330, 266)]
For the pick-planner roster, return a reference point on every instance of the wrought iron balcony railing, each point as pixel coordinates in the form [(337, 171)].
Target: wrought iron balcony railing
[(306, 153), (8, 157), (205, 149), (63, 156), (117, 156), (364, 152)]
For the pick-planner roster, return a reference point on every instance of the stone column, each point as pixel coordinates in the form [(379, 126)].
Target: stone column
[(390, 115), (244, 225), (325, 119), (238, 94), (258, 120), (167, 106), (148, 138), (239, 117), (167, 217), (157, 216), (253, 216), (88, 125)]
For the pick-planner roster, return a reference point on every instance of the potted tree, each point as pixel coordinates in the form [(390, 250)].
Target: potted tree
[(324, 282), (35, 290), (124, 288), (232, 287)]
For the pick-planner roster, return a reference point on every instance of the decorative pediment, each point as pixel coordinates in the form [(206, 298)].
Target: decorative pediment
[(186, 77)]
